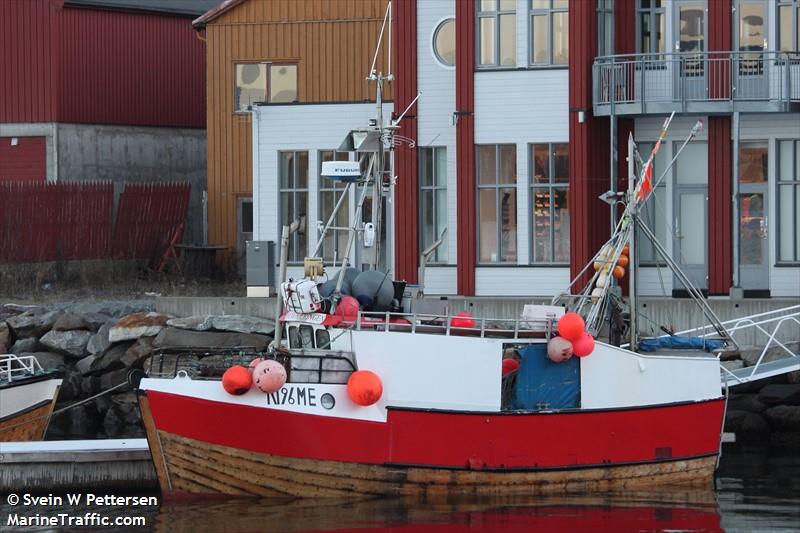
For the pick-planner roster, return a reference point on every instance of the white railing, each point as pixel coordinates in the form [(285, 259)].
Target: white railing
[(692, 81), (443, 325), (14, 367)]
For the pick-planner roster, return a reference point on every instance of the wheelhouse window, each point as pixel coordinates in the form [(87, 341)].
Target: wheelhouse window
[(788, 25), (788, 184), (335, 242), (294, 200), (549, 31), (433, 200), (497, 203), (650, 26), (654, 210), (605, 27), (549, 203), (497, 33), (444, 42), (264, 82)]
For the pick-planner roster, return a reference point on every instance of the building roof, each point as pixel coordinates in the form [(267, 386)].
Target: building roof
[(221, 7), (190, 8)]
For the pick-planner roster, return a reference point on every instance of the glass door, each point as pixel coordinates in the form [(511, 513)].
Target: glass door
[(753, 226), (750, 35), (690, 208), (690, 41)]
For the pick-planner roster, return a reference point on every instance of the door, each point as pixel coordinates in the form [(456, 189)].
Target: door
[(690, 208), (689, 28), (750, 35), (244, 231), (753, 221)]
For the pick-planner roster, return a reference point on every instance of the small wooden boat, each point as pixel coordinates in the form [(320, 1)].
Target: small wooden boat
[(27, 396)]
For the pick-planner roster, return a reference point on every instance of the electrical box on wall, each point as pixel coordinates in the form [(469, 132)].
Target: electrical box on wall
[(260, 268)]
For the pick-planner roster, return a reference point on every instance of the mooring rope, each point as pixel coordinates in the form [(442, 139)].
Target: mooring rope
[(64, 409)]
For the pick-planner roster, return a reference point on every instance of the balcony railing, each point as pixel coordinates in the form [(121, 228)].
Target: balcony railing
[(706, 82)]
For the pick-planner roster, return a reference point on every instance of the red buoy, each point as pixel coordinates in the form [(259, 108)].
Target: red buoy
[(571, 326), (364, 387), (236, 380), (462, 320), (347, 308), (584, 345), (509, 365)]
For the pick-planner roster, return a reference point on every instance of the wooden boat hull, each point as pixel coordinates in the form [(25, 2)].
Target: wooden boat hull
[(200, 447), (27, 406)]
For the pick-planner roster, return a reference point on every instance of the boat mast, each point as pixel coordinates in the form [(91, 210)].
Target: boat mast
[(633, 326)]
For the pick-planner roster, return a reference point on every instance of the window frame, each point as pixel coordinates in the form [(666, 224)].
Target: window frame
[(604, 7), (268, 73), (548, 12), (550, 186), (651, 11), (496, 187), (435, 189), (294, 191), (438, 58), (794, 9), (793, 185), (333, 186), (495, 15)]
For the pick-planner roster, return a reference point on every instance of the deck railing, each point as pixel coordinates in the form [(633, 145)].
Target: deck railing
[(455, 325), (14, 367), (702, 82)]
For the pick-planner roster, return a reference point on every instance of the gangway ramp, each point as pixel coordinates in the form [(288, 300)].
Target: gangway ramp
[(764, 370)]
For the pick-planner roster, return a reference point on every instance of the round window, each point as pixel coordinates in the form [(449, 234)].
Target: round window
[(444, 42)]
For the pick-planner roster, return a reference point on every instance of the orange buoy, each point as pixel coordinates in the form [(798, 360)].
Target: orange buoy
[(509, 365), (623, 261), (619, 272), (364, 387), (347, 308), (236, 380), (570, 326), (626, 249), (584, 345), (462, 320)]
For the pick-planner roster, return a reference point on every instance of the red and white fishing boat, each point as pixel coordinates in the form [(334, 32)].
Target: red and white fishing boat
[(27, 396), (396, 402)]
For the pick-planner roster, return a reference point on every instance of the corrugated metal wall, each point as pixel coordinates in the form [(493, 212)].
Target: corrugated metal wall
[(332, 43), (63, 64), (131, 68), (29, 36)]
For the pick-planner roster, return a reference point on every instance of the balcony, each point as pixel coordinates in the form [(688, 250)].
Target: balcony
[(705, 82)]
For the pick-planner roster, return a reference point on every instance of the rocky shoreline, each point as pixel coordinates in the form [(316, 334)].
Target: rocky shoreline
[(95, 345)]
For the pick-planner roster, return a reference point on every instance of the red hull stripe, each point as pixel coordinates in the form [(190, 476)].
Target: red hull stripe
[(429, 438)]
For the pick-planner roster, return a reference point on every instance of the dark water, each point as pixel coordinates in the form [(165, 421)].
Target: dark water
[(757, 489)]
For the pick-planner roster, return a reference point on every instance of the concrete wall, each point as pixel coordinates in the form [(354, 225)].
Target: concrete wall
[(139, 155)]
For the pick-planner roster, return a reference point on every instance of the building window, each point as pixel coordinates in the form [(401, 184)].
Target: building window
[(444, 42), (788, 201), (330, 190), (605, 27), (433, 200), (788, 25), (650, 27), (497, 203), (549, 32), (294, 200), (497, 33), (549, 203), (264, 82), (654, 210)]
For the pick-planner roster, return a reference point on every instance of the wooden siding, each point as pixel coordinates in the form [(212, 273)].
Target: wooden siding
[(720, 236), (333, 44), (465, 145)]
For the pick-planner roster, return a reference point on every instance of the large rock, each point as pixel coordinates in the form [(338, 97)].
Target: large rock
[(181, 338), (48, 360), (70, 386), (5, 337), (112, 379), (31, 344), (138, 352), (234, 323), (734, 364), (109, 308), (32, 324), (99, 342), (746, 402), (137, 325), (71, 321), (784, 417), (751, 355), (111, 359), (750, 426), (72, 343), (84, 366), (780, 394)]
